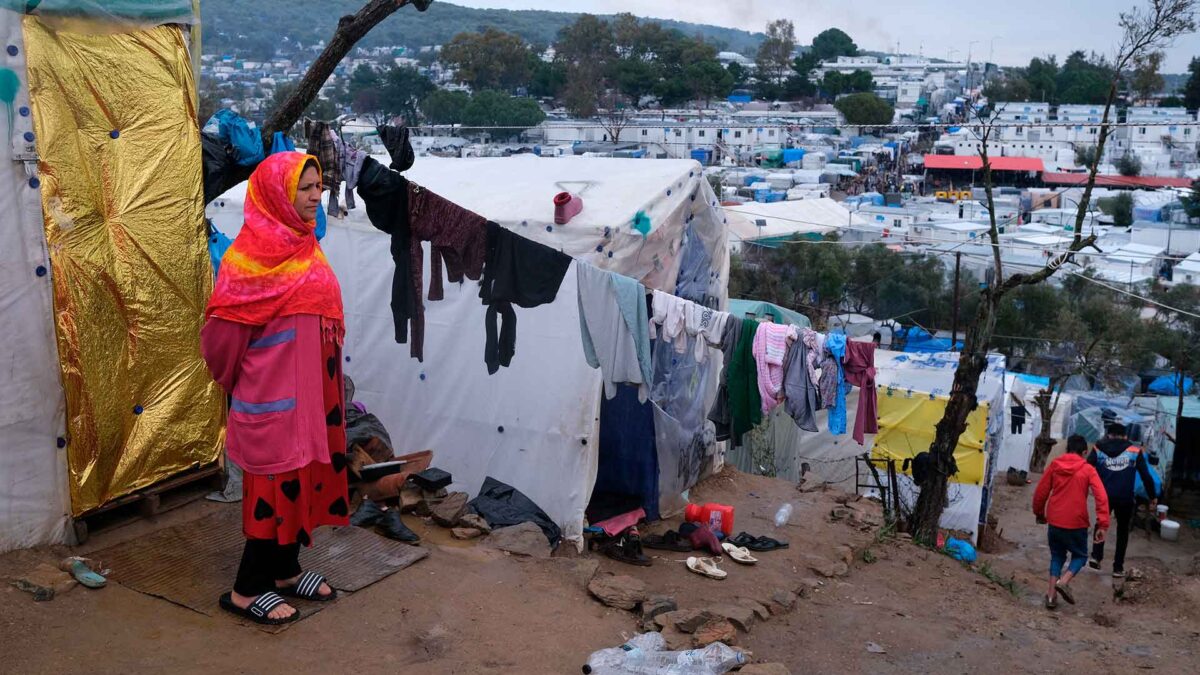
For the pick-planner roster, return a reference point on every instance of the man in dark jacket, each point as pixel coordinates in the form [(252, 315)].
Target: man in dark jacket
[(1118, 461)]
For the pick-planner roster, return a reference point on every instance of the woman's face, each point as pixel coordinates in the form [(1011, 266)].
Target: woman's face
[(308, 194)]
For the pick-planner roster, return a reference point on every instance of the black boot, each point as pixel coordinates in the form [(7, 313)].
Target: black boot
[(392, 527), (368, 514)]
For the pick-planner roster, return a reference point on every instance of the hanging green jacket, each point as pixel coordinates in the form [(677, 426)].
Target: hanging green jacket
[(745, 403)]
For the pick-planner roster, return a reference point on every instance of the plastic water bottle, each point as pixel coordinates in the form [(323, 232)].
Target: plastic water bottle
[(782, 515), (613, 661), (638, 657)]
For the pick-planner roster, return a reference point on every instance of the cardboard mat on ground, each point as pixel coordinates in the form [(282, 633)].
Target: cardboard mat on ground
[(193, 563)]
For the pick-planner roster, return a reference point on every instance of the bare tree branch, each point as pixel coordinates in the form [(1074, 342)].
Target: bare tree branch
[(350, 30)]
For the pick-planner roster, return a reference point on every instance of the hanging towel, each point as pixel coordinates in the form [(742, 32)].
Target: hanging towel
[(705, 325), (770, 347), (799, 388), (812, 340), (615, 333), (719, 413), (670, 312), (745, 403), (832, 377), (519, 272), (860, 372)]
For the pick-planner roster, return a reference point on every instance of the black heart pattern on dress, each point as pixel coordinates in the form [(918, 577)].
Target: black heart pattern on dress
[(334, 418), (318, 486), (339, 461), (262, 510), (331, 366), (303, 538), (339, 508), (290, 488)]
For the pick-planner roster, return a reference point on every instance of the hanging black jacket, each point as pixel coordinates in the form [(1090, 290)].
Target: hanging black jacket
[(516, 271), (385, 193)]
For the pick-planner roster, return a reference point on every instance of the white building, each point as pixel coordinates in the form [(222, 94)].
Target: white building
[(671, 139), (1187, 271)]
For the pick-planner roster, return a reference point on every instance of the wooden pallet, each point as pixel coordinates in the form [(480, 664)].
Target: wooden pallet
[(159, 498)]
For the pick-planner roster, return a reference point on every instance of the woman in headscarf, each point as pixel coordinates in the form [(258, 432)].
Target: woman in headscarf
[(273, 340)]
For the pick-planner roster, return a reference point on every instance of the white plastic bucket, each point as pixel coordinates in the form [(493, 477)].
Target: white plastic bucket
[(1162, 512), (1170, 530)]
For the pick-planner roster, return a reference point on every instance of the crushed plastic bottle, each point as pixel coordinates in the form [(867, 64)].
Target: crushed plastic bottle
[(636, 658), (782, 515)]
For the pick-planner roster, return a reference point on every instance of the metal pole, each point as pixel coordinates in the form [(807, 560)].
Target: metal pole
[(954, 321)]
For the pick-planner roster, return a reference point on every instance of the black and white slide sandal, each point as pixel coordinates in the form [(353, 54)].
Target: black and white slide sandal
[(308, 587), (259, 610)]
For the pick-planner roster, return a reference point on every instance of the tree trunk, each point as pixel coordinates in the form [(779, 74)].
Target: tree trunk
[(1045, 441), (971, 365), (349, 31)]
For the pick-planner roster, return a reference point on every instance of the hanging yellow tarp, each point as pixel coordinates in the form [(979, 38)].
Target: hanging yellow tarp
[(906, 428), (120, 173)]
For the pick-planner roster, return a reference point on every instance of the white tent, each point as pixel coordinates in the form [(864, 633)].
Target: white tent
[(33, 474), (534, 425), (780, 220)]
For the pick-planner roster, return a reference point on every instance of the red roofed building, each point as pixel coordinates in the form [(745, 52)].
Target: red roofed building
[(961, 171)]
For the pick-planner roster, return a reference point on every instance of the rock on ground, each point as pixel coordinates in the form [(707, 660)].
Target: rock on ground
[(465, 533), (740, 616), (452, 508), (825, 567), (476, 521), (684, 620), (714, 630), (654, 606), (620, 591), (580, 570), (525, 539), (758, 608), (45, 581), (782, 601)]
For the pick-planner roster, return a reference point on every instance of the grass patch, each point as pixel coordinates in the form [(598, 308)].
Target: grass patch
[(1009, 584)]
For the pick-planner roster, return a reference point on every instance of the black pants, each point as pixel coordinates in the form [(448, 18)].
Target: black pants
[(1123, 514), (263, 563), (1017, 425)]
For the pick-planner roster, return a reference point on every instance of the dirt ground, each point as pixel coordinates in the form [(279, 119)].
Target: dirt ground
[(468, 608)]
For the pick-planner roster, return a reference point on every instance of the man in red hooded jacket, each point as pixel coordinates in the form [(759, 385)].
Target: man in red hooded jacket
[(1061, 500)]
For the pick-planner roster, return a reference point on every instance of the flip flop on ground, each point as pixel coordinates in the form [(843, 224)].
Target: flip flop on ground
[(706, 567), (739, 554), (1065, 592)]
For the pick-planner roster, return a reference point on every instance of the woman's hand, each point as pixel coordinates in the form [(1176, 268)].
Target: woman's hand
[(1100, 536)]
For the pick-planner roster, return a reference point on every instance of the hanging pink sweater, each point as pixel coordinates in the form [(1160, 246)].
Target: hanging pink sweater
[(770, 346), (273, 372)]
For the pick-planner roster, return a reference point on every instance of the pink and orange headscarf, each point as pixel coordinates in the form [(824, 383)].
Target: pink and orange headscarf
[(275, 267)]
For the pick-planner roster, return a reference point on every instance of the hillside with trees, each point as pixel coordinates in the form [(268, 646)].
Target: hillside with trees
[(310, 22)]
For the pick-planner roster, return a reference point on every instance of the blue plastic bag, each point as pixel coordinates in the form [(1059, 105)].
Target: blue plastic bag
[(238, 133), (960, 550), (218, 243)]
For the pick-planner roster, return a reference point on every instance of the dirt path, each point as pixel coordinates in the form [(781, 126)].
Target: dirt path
[(470, 609)]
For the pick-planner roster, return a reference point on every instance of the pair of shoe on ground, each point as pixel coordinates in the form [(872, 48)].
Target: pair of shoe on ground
[(708, 567)]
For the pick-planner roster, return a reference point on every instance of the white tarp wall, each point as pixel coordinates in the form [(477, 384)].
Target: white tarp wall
[(1017, 449), (33, 481), (548, 401)]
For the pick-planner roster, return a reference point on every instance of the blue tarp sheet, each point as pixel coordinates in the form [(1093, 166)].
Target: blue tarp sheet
[(917, 340), (1168, 385)]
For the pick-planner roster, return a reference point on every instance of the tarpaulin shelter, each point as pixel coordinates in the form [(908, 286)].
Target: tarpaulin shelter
[(1176, 441), (1168, 385), (912, 392), (103, 264), (772, 224), (541, 425)]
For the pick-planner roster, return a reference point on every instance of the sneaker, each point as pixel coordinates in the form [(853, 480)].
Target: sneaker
[(1094, 564), (1051, 603), (1118, 574), (1065, 592)]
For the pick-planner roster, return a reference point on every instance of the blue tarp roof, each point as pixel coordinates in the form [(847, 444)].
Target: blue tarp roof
[(1167, 385), (918, 340), (1033, 379)]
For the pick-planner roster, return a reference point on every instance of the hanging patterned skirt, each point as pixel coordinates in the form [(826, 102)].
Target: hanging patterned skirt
[(289, 506)]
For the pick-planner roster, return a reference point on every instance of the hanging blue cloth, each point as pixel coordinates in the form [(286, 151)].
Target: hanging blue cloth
[(218, 243), (836, 344), (281, 143)]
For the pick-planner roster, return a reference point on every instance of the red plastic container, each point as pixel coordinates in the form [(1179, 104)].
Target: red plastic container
[(716, 516)]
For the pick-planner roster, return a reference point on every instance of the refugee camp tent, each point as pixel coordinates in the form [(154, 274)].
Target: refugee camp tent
[(1176, 441), (540, 424), (770, 224), (102, 394), (1017, 448), (912, 390), (912, 394)]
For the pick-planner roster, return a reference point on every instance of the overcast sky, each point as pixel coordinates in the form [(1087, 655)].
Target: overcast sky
[(1018, 29)]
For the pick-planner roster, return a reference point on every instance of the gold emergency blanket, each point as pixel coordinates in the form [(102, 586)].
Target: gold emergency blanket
[(120, 172), (906, 428)]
